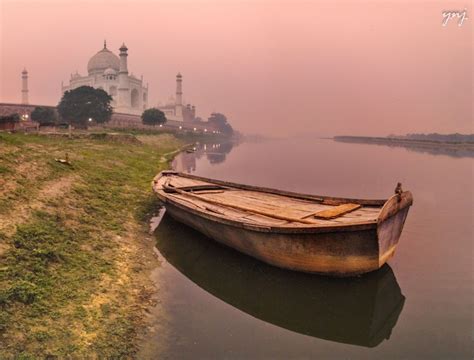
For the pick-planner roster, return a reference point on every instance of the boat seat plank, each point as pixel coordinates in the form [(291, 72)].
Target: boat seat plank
[(336, 211), (178, 182)]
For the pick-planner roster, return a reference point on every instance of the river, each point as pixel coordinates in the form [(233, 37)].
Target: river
[(215, 303)]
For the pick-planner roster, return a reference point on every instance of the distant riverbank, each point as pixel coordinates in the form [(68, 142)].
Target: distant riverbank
[(434, 147)]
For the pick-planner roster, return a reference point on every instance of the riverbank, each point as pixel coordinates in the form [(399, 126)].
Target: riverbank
[(452, 148), (75, 256)]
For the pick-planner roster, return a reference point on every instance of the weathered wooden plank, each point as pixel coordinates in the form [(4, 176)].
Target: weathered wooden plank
[(336, 211), (281, 209), (264, 220), (239, 207), (229, 213), (274, 200), (273, 203), (311, 197)]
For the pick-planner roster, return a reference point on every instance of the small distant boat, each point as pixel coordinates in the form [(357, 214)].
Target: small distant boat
[(308, 233)]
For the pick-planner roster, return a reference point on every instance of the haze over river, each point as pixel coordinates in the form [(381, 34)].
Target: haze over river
[(217, 303)]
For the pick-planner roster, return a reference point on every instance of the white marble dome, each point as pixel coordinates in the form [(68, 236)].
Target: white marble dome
[(103, 60), (109, 72)]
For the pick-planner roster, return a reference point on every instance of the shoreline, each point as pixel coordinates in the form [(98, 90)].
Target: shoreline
[(84, 229), (396, 141), (455, 149)]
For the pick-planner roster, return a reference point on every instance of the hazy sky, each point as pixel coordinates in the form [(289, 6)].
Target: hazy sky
[(273, 67)]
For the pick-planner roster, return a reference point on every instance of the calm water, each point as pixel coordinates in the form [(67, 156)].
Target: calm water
[(217, 303)]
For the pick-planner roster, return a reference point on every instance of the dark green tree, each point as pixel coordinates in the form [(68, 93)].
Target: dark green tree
[(85, 105), (44, 115), (219, 122), (13, 118), (153, 116)]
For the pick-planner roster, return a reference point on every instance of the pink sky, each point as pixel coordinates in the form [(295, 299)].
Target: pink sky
[(274, 67)]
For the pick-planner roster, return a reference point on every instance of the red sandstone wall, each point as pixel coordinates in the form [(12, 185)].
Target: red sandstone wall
[(8, 109), (20, 109), (134, 121), (118, 120)]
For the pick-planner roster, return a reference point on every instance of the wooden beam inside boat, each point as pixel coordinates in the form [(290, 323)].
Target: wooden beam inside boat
[(336, 211), (239, 207)]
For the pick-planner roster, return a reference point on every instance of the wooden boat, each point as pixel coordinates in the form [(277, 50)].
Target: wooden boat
[(314, 234)]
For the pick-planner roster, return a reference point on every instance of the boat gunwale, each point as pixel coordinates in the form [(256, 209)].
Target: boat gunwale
[(312, 197), (301, 229), (273, 229)]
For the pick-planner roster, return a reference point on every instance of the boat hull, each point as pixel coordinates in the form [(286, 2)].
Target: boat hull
[(342, 249), (335, 253)]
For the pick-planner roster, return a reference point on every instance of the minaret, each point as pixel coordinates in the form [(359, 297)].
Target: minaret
[(123, 90), (24, 87), (179, 96)]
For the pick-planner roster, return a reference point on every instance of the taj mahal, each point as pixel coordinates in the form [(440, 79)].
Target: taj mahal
[(109, 72)]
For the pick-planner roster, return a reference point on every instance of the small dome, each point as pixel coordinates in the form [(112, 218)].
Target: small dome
[(103, 60), (110, 71)]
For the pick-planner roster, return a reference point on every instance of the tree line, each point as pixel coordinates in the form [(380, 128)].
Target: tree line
[(454, 138), (86, 106)]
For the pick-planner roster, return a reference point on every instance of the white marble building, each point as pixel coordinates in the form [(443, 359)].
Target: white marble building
[(109, 72), (174, 108)]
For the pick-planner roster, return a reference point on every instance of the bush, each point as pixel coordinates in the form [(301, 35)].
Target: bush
[(13, 118), (44, 115), (24, 292), (153, 116)]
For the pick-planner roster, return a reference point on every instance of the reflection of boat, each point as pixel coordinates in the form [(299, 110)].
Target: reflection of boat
[(334, 236), (360, 311)]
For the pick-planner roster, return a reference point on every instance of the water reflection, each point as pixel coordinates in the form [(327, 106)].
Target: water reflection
[(361, 311), (215, 154)]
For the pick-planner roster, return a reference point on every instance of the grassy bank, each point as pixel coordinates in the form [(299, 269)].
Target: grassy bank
[(73, 250)]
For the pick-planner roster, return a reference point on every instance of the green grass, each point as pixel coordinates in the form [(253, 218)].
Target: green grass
[(70, 280)]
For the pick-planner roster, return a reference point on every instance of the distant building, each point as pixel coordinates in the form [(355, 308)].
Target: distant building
[(174, 109), (109, 72), (24, 87)]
